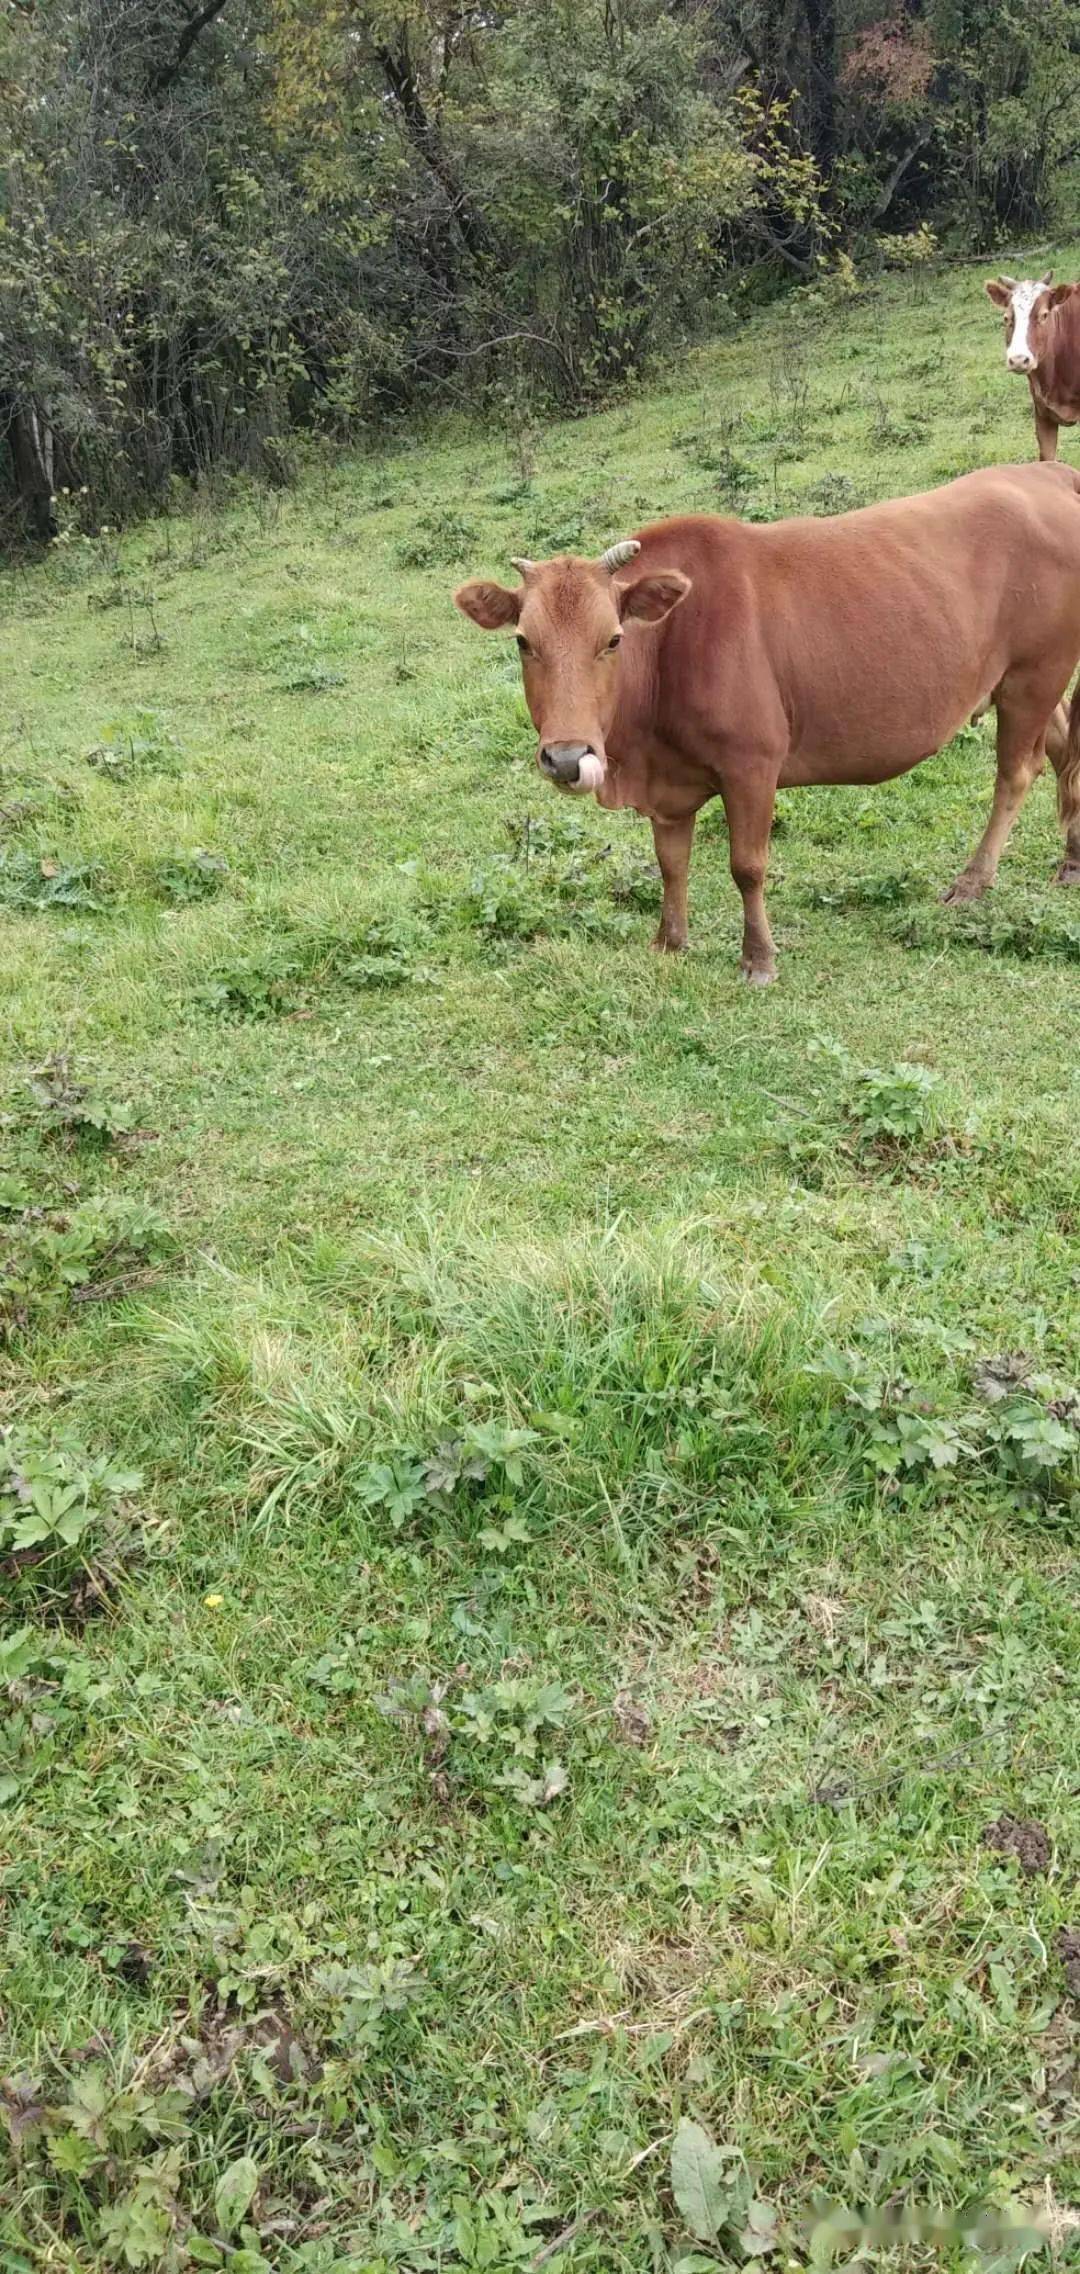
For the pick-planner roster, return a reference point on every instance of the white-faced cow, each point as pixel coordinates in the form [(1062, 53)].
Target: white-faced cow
[(732, 660), (1042, 343)]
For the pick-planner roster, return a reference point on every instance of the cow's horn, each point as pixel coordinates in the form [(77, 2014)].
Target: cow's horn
[(522, 567), (617, 556), (1009, 283), (1049, 277)]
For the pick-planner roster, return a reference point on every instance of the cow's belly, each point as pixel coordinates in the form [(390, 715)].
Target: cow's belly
[(874, 745)]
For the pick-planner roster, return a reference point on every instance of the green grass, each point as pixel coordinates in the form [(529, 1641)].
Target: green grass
[(532, 1594)]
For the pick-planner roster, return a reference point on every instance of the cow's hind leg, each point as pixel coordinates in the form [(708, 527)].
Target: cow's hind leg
[(749, 809), (1021, 751), (1057, 747)]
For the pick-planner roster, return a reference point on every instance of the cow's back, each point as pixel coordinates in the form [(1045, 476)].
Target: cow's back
[(879, 630)]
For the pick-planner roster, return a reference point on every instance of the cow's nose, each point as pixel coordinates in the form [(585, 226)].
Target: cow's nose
[(561, 761), (1021, 362)]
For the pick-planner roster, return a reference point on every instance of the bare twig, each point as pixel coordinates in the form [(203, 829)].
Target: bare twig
[(559, 2242)]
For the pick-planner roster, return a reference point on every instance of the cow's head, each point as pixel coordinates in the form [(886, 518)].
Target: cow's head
[(1027, 305), (569, 615)]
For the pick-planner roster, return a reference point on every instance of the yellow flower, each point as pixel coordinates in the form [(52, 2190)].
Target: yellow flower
[(213, 1602)]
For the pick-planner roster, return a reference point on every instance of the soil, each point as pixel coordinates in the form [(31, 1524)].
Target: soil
[(1022, 1837), (1068, 1950)]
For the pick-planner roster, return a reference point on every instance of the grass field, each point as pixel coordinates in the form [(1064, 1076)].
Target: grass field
[(539, 1612)]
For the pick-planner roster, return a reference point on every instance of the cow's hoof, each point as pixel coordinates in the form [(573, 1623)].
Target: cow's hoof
[(965, 888), (757, 974), (1068, 873), (662, 945)]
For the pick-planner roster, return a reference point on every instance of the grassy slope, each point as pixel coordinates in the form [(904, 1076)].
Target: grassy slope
[(552, 1183)]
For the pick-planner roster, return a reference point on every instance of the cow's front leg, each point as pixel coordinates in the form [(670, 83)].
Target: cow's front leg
[(1046, 432), (749, 808), (673, 841)]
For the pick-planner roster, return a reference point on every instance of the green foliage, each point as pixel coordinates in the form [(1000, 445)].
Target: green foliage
[(299, 962), (714, 2193), (133, 748), (880, 1119), (834, 493), (31, 880), (42, 1692), (1025, 1439), (903, 1439), (380, 954), (253, 986), (897, 1105), (1036, 1439), (347, 218), (183, 877), (556, 894), (1029, 934), (494, 1740), (330, 219), (53, 1258), (311, 678), (891, 890), (503, 904), (56, 1503), (74, 1110), (485, 1465), (439, 540)]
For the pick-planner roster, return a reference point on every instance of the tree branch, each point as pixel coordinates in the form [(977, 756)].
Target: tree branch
[(889, 188), (193, 30), (424, 134)]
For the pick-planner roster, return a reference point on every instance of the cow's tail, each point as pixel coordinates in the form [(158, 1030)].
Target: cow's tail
[(1068, 788)]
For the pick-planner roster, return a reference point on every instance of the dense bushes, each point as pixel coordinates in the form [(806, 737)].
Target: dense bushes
[(218, 224)]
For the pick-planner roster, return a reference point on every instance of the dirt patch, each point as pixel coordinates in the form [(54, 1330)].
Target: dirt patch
[(86, 1594), (1068, 1950), (23, 2108), (199, 2052), (1022, 1837), (632, 1723), (1008, 1370), (135, 1965)]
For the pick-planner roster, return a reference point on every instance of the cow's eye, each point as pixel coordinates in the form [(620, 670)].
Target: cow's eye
[(523, 645), (613, 641)]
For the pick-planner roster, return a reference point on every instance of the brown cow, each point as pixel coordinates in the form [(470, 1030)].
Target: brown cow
[(1042, 340), (738, 660)]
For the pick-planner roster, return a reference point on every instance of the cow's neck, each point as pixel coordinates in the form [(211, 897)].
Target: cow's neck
[(1056, 383), (631, 732)]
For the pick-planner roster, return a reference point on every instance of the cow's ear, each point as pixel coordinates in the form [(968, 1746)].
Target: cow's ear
[(650, 598), (998, 292), (490, 605), (1060, 292)]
